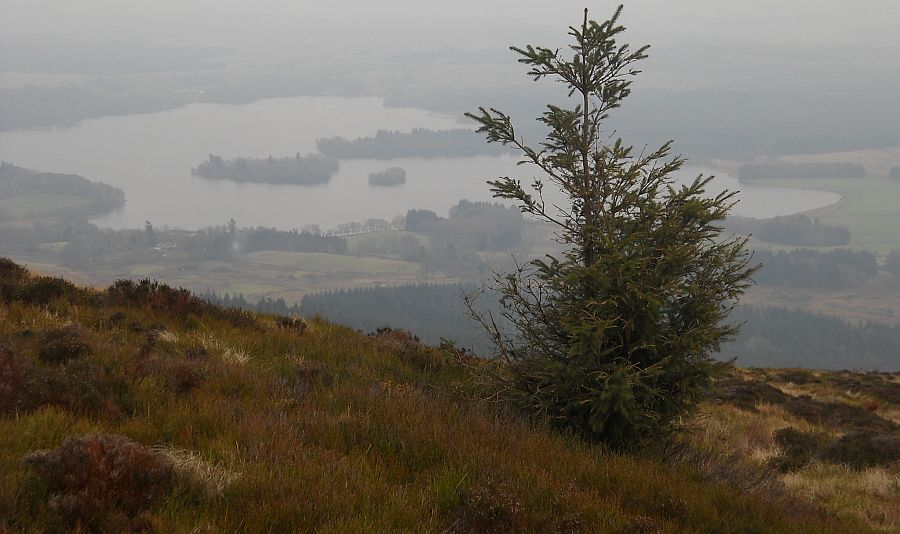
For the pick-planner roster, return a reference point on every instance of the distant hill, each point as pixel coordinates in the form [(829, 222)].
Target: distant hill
[(142, 407), (25, 193)]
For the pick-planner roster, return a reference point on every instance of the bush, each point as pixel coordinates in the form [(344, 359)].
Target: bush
[(864, 449), (62, 344), (179, 303), (292, 322), (12, 380), (797, 449), (10, 270), (15, 285), (101, 482)]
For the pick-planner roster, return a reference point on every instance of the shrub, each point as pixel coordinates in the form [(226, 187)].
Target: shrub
[(797, 449), (183, 376), (179, 303), (10, 270), (292, 322), (11, 276), (60, 345), (82, 386), (489, 508), (102, 482), (746, 394), (864, 449), (42, 290), (12, 380)]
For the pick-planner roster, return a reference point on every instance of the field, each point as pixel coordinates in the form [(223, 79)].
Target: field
[(868, 206), (288, 275), (36, 205), (222, 421)]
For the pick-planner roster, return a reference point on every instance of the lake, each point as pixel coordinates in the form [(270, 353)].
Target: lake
[(150, 157)]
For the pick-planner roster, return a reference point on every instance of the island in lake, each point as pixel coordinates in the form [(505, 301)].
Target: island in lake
[(392, 176), (28, 194), (420, 143), (303, 170)]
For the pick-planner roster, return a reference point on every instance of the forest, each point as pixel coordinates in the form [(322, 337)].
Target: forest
[(769, 337), (810, 268), (793, 230)]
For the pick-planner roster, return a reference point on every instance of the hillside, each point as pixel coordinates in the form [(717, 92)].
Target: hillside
[(141, 407)]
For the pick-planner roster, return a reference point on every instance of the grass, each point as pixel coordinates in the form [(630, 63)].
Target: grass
[(871, 493), (318, 262), (272, 428), (868, 208)]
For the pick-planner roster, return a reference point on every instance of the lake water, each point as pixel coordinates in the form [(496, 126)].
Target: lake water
[(150, 157)]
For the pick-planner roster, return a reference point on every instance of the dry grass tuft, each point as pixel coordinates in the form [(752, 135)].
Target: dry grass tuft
[(214, 478), (226, 352)]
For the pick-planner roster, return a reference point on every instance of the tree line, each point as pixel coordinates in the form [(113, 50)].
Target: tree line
[(794, 230), (809, 268), (769, 337)]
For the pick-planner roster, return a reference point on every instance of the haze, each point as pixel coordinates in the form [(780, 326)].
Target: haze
[(338, 128)]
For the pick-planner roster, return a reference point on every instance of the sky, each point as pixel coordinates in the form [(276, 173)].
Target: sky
[(440, 24)]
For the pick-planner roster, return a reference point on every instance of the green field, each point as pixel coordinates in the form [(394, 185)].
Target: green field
[(39, 205), (869, 208), (317, 262)]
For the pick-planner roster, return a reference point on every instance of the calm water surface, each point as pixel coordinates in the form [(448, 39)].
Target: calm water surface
[(150, 157)]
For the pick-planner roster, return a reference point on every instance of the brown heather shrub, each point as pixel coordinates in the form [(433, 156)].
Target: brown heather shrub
[(59, 345), (178, 303), (41, 290), (293, 323), (838, 415), (746, 394), (101, 483), (864, 449), (409, 348), (11, 277), (302, 377), (871, 405), (798, 449), (489, 508), (81, 386), (184, 377), (12, 381), (84, 387)]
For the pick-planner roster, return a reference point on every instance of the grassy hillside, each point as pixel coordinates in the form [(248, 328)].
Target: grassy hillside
[(142, 408)]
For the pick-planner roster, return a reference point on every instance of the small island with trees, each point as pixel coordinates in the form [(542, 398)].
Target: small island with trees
[(303, 170), (388, 177)]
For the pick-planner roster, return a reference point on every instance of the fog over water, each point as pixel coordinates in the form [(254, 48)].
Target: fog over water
[(150, 157)]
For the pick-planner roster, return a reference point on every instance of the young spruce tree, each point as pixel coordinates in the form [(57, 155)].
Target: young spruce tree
[(614, 338)]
